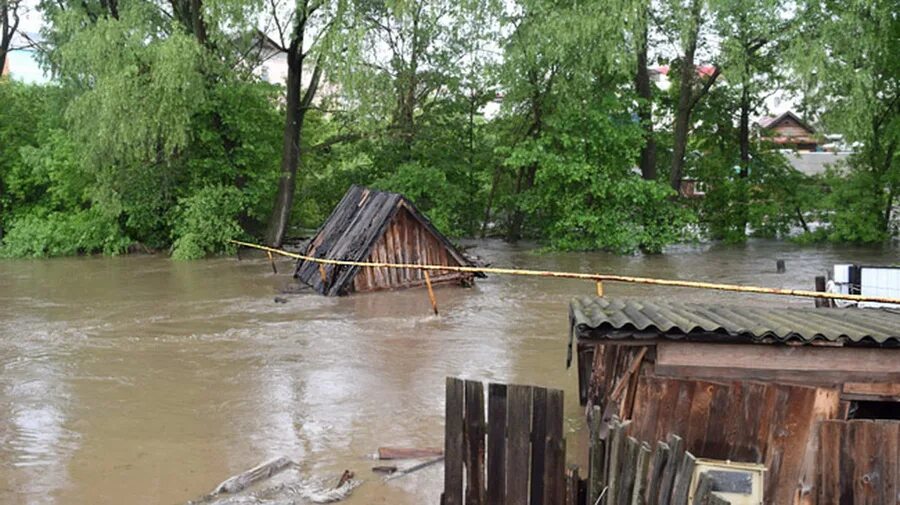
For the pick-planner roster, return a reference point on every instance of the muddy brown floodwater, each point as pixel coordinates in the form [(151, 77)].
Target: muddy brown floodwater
[(141, 380)]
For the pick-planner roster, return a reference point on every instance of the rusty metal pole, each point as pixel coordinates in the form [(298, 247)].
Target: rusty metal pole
[(431, 293)]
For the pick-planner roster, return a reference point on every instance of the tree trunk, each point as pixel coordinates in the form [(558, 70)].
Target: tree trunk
[(524, 182), (9, 23), (295, 113), (645, 106), (682, 123), (685, 97), (290, 151), (744, 131), (744, 143), (490, 201)]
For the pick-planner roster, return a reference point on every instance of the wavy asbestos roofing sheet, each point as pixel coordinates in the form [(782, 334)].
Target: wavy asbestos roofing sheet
[(594, 317)]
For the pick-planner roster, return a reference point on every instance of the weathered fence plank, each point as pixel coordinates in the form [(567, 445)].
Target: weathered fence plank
[(518, 424), (538, 444), (597, 457), (890, 459), (453, 443), (682, 485), (676, 453), (474, 435), (704, 488), (616, 453), (627, 473), (654, 477), (523, 459), (555, 460), (642, 467), (496, 445), (829, 474)]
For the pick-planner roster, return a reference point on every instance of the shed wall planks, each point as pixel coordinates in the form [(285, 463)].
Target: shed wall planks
[(741, 421), (858, 462), (405, 241)]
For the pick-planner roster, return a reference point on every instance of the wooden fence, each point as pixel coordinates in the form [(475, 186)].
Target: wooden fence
[(521, 437), (626, 471)]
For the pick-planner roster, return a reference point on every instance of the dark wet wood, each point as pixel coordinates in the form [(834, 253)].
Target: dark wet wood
[(496, 445), (667, 480), (682, 485), (518, 422), (597, 456), (538, 439), (474, 442), (409, 452), (555, 452), (453, 443), (654, 475)]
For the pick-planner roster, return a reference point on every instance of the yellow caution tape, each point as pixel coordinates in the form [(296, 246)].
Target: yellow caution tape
[(583, 276)]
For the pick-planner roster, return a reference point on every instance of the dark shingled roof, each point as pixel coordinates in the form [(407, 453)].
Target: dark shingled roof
[(594, 317), (350, 233)]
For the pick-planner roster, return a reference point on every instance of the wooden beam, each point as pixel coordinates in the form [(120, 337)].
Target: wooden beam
[(804, 364), (865, 391)]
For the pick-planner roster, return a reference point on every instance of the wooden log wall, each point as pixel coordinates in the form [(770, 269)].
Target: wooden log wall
[(406, 241), (512, 452), (858, 462)]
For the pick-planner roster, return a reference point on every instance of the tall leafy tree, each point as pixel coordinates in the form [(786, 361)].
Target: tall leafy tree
[(847, 58), (309, 36), (10, 18), (689, 23)]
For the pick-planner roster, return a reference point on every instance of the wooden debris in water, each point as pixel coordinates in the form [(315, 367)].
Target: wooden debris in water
[(256, 474), (408, 453), (236, 490), (414, 468)]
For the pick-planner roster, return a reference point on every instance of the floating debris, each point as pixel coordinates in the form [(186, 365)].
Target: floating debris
[(236, 490), (408, 452), (256, 474)]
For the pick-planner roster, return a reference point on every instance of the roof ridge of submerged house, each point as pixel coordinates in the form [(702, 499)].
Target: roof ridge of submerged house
[(357, 225), (603, 318)]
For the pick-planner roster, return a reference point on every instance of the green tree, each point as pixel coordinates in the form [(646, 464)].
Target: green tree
[(847, 58)]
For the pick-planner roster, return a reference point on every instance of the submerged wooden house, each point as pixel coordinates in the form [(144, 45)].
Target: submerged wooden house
[(811, 394), (378, 227)]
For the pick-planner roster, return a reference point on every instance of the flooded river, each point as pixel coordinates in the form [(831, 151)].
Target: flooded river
[(140, 380)]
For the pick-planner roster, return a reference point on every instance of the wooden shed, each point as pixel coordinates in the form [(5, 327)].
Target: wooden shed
[(813, 394), (378, 227)]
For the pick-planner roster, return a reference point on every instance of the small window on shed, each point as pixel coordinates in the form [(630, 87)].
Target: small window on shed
[(874, 410)]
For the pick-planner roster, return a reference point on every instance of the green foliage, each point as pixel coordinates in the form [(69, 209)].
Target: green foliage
[(63, 234), (432, 193), (857, 207), (155, 130), (206, 221), (849, 66)]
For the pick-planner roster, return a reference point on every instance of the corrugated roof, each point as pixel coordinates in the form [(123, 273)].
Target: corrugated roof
[(594, 317)]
